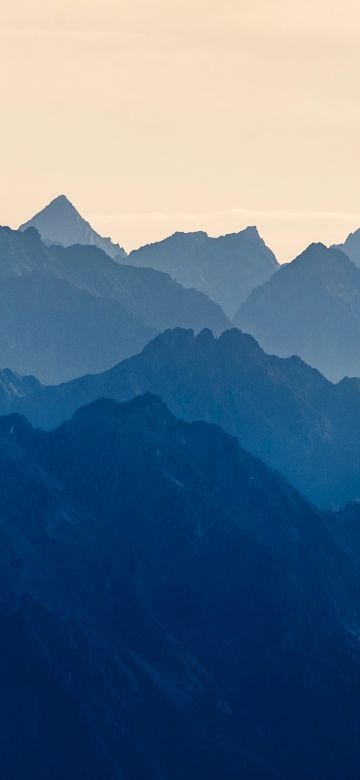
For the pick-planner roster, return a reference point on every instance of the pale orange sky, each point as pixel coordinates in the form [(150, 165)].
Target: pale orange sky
[(184, 115)]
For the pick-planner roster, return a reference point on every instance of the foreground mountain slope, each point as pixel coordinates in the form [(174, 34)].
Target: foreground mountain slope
[(169, 607), (225, 268), (60, 223), (280, 409), (311, 308)]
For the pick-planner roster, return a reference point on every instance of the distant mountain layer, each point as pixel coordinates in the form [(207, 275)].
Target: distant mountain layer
[(281, 410), (225, 268), (351, 247), (60, 223), (151, 295), (310, 308), (57, 332), (169, 608), (69, 311)]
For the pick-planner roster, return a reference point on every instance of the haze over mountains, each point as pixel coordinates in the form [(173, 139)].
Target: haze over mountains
[(310, 308), (171, 606), (225, 268), (281, 410), (169, 631), (68, 311)]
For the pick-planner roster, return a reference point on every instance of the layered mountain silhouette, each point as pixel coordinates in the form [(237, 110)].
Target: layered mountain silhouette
[(225, 268), (280, 409), (351, 247), (151, 295), (60, 223), (57, 332), (68, 311), (310, 308), (169, 608)]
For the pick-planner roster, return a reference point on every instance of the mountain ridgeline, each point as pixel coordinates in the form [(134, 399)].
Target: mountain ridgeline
[(226, 268), (310, 308), (68, 311), (179, 509), (281, 410), (164, 606)]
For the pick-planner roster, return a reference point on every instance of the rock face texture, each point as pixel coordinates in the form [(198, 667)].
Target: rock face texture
[(169, 607), (280, 409)]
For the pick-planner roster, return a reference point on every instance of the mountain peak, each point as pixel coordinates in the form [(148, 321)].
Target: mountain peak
[(317, 253), (226, 268), (251, 230), (61, 200), (59, 222), (183, 234)]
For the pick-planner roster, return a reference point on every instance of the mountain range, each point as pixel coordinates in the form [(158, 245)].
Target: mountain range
[(169, 609), (179, 508), (68, 311), (310, 308), (226, 268), (281, 410)]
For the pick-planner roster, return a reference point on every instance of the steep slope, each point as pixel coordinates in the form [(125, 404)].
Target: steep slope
[(23, 253), (14, 387), (351, 247), (69, 311), (57, 332), (280, 409), (225, 268), (60, 223), (169, 608), (149, 294), (311, 308)]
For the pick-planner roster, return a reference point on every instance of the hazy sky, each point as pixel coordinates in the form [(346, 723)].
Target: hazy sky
[(160, 115)]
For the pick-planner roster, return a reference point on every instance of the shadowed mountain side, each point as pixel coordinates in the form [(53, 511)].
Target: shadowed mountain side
[(225, 268), (311, 308), (56, 331), (169, 608), (60, 223), (280, 409), (150, 295)]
